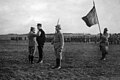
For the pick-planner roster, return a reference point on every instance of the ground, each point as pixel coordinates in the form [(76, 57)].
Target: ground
[(80, 62)]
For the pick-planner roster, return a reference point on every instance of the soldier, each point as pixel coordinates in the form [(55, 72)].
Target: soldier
[(31, 39), (104, 43), (58, 43), (40, 40)]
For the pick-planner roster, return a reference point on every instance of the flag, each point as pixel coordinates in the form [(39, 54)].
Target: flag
[(91, 18)]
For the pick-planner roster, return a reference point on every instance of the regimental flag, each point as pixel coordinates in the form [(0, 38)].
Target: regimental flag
[(91, 18)]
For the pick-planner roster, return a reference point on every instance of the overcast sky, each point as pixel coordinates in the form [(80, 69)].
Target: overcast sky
[(17, 16)]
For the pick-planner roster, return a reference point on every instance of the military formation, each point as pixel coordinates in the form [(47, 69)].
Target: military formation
[(114, 39)]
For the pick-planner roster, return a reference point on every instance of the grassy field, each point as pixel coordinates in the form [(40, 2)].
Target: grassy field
[(80, 62)]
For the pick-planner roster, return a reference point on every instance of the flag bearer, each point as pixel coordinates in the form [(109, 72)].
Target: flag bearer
[(104, 43)]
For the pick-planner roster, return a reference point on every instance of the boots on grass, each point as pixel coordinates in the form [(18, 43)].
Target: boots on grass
[(103, 56), (32, 59), (40, 61), (58, 64)]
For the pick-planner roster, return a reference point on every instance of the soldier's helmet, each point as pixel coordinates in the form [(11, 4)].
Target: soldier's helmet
[(32, 28), (105, 29), (58, 26)]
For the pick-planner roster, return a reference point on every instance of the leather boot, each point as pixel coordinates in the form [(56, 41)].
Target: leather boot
[(32, 59), (58, 66)]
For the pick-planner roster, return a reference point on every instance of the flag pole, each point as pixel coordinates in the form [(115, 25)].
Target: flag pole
[(97, 17), (58, 22)]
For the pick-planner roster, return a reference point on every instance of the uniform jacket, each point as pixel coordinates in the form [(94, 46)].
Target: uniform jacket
[(58, 40), (31, 38), (104, 40)]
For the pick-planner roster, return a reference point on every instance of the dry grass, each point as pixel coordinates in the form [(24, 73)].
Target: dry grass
[(80, 62)]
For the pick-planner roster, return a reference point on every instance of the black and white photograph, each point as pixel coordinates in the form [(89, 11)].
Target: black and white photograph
[(59, 40)]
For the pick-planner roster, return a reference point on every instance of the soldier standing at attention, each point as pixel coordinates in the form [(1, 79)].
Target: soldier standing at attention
[(40, 40), (31, 39), (58, 43), (104, 43)]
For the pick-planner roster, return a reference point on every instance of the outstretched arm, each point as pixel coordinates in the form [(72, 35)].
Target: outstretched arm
[(34, 35)]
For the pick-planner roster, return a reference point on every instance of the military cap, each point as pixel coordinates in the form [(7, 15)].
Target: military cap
[(32, 28), (58, 26), (105, 29)]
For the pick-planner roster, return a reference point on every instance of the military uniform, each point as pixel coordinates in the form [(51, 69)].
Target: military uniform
[(31, 38), (104, 45), (58, 43)]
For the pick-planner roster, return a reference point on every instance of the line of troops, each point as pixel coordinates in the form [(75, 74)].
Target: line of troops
[(37, 40), (113, 39)]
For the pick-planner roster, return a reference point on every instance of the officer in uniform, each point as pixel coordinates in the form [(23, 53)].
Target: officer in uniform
[(31, 39), (58, 43), (104, 43)]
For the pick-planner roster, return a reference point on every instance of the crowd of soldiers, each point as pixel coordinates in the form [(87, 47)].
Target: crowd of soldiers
[(18, 38), (113, 39)]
